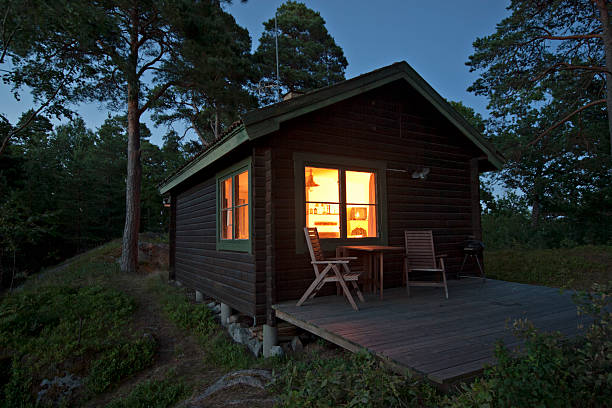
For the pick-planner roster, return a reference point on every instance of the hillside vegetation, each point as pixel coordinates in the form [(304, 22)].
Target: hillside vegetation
[(569, 268), (84, 334)]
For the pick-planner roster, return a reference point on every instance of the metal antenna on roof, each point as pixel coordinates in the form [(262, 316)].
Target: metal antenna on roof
[(278, 98)]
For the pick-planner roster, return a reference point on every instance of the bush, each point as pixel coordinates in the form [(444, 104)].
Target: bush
[(153, 394), (575, 268), (552, 371), (51, 330), (120, 362), (199, 320), (359, 380)]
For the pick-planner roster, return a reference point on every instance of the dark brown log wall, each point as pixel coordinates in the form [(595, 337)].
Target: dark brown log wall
[(227, 276), (393, 124)]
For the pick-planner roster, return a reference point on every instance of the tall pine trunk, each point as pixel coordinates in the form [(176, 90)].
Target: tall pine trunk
[(606, 36), (129, 253)]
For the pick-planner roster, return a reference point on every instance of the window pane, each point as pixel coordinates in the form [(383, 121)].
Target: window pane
[(361, 221), (242, 188), (325, 217), (242, 222), (322, 185), (226, 224), (226, 193), (360, 187)]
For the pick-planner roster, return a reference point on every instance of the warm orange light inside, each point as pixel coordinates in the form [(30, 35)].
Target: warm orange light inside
[(323, 205), (360, 204), (235, 207), (323, 201)]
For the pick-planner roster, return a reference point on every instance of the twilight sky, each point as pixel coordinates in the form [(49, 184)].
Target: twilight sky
[(435, 38)]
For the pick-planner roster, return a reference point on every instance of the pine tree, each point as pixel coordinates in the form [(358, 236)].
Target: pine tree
[(309, 58)]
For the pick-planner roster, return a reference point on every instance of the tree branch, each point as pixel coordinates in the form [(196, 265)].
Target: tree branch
[(564, 66), (160, 92), (565, 119), (35, 113), (154, 61), (568, 37)]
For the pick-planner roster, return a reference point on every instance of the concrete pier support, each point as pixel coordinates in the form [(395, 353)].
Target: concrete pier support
[(226, 312), (270, 339), (199, 297)]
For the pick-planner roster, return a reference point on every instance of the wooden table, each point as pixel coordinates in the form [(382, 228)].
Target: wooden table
[(373, 256)]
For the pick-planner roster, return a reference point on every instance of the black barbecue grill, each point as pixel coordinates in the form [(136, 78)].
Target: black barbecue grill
[(472, 249)]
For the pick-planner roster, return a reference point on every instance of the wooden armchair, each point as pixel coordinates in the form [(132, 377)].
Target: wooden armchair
[(421, 257), (318, 261)]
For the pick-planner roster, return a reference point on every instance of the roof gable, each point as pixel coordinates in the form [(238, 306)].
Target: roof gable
[(266, 120)]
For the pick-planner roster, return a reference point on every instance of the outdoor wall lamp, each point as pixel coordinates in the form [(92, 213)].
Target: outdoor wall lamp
[(421, 173)]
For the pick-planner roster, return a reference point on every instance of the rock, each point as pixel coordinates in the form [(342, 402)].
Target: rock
[(276, 351), (255, 346), (241, 335), (252, 378), (296, 345), (62, 387)]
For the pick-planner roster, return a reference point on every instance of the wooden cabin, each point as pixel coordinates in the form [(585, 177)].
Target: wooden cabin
[(362, 160)]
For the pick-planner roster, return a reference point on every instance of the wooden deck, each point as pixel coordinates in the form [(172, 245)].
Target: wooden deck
[(444, 340)]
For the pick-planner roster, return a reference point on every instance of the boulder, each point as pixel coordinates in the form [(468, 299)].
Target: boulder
[(255, 346), (276, 351), (296, 345)]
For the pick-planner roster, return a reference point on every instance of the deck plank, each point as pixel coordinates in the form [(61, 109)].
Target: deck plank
[(444, 340)]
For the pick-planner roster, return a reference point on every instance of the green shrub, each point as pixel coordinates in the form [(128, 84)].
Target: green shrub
[(199, 320), (552, 371), (153, 394), (120, 362), (17, 391), (575, 268), (50, 329), (359, 380)]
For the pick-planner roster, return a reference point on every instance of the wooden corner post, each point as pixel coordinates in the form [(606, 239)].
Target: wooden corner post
[(172, 239)]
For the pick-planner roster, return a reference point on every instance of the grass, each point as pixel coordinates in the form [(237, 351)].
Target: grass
[(80, 318), (221, 351), (569, 268), (70, 319), (154, 394)]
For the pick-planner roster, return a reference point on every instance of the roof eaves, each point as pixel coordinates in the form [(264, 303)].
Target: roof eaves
[(234, 138), (266, 120)]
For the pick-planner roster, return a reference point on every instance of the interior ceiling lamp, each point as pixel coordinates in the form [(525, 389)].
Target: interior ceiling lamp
[(421, 173), (310, 183)]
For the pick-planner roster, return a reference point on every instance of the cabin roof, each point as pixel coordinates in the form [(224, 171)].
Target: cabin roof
[(263, 121)]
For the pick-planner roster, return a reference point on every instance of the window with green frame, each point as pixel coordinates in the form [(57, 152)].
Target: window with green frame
[(344, 198), (234, 208)]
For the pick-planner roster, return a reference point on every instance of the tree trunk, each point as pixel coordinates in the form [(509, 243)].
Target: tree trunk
[(606, 35), (535, 213), (129, 248)]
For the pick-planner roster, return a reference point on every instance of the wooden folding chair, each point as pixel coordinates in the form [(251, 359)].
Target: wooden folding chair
[(331, 264), (421, 257)]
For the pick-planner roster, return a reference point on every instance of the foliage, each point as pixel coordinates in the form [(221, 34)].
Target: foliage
[(552, 370), (120, 362), (356, 381), (507, 222), (545, 59), (544, 63), (153, 394), (65, 190), (573, 268), (309, 58), (197, 319), (218, 61), (49, 329)]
